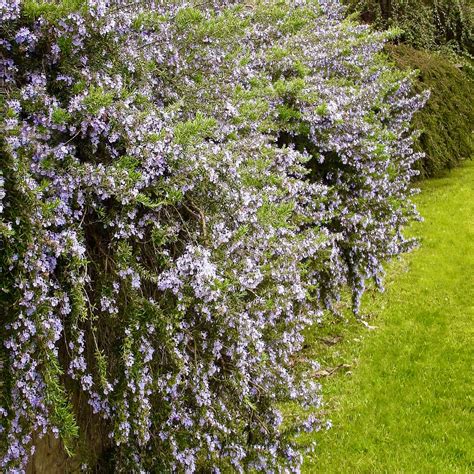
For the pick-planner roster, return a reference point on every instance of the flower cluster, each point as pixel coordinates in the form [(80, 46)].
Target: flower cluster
[(186, 188)]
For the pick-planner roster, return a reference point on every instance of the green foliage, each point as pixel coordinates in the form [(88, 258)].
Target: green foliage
[(188, 16), (446, 121), (195, 130), (53, 11), (149, 20), (61, 407), (96, 99), (275, 214), (428, 24), (60, 116)]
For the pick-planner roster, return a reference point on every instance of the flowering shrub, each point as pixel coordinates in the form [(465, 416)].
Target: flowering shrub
[(184, 189)]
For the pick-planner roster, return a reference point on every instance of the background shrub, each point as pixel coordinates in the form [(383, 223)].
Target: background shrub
[(446, 120), (426, 24), (437, 40)]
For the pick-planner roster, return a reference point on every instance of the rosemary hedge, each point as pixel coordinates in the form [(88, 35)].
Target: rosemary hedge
[(185, 187)]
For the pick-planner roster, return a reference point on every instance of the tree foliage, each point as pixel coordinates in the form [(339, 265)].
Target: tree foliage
[(426, 24)]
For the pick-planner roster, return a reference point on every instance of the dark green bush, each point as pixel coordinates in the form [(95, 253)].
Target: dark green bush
[(446, 121), (427, 24), (436, 38)]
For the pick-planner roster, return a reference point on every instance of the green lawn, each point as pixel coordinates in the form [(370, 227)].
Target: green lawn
[(405, 404)]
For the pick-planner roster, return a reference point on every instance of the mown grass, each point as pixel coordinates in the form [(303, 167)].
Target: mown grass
[(403, 402)]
